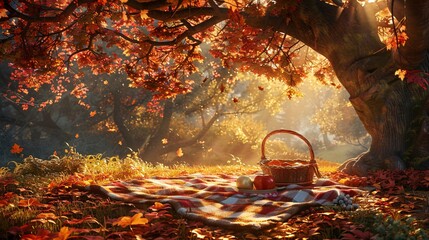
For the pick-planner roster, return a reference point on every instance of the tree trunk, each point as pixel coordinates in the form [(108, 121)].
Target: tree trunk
[(127, 135), (394, 112), (152, 150)]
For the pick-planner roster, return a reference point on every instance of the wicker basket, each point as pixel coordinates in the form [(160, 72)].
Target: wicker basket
[(290, 171)]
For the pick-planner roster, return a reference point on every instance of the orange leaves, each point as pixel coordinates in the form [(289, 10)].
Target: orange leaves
[(3, 13), (396, 40), (92, 113), (234, 4), (179, 152), (401, 74), (64, 233), (413, 76), (32, 202), (16, 149), (143, 14), (91, 28), (126, 221), (158, 206)]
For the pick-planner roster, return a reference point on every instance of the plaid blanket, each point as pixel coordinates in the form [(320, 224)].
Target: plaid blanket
[(214, 199)]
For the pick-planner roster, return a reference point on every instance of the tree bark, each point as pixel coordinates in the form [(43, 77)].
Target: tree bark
[(128, 137), (152, 150), (394, 112)]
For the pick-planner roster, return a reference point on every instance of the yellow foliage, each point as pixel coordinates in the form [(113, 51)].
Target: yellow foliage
[(126, 221), (64, 233)]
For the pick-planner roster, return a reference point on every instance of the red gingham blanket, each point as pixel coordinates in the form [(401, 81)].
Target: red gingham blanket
[(214, 199)]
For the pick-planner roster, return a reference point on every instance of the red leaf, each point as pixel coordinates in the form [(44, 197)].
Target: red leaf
[(16, 149), (417, 77)]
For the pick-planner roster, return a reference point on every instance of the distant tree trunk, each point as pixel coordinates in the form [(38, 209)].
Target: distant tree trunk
[(155, 148), (129, 139), (152, 150), (326, 141)]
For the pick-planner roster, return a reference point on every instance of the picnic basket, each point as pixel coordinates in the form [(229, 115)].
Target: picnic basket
[(295, 171)]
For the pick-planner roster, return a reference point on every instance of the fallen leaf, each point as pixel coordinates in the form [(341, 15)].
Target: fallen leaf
[(64, 233), (126, 221)]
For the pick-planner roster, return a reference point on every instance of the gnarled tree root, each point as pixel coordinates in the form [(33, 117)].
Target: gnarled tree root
[(366, 162)]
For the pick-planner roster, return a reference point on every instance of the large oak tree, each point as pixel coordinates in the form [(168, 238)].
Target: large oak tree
[(46, 40)]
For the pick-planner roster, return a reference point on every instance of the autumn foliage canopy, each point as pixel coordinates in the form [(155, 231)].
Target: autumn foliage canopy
[(52, 43)]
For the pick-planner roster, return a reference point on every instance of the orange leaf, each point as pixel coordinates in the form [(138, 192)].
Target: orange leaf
[(126, 221), (158, 205), (3, 13), (28, 202), (143, 14), (77, 135), (179, 152), (47, 216), (164, 141), (92, 113), (16, 149), (64, 233)]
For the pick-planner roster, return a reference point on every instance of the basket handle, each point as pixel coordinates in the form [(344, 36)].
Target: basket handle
[(310, 148)]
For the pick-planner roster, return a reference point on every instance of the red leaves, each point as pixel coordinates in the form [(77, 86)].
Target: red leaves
[(414, 76), (16, 149), (417, 77), (395, 181), (31, 202)]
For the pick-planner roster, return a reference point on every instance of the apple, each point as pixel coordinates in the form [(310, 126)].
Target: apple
[(244, 182), (263, 182)]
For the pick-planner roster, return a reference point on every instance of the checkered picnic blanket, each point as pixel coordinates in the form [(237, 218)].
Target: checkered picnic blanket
[(214, 199)]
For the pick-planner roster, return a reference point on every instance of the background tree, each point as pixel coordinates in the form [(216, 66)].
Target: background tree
[(338, 118), (47, 40)]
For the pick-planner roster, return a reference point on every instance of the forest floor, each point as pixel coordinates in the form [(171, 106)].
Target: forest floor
[(40, 200)]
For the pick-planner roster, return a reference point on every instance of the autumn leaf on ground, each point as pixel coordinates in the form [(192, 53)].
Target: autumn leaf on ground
[(92, 113), (16, 149), (164, 141), (28, 202), (158, 206), (64, 233), (3, 13), (47, 216), (126, 221), (41, 234), (143, 14)]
